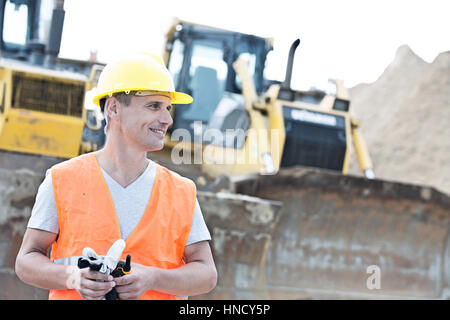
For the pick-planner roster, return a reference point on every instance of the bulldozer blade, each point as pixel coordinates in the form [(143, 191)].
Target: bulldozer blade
[(241, 229), (349, 237), (36, 163)]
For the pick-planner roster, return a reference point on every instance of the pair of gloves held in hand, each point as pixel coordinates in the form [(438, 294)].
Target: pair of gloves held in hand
[(109, 264)]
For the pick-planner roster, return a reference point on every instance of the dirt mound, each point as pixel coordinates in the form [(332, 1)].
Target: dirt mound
[(405, 120)]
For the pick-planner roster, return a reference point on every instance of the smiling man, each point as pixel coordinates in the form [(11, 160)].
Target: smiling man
[(117, 192)]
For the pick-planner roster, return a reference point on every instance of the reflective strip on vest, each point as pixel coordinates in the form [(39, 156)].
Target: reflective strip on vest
[(70, 261)]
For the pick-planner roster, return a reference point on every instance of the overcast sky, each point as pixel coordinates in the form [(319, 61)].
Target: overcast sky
[(350, 40)]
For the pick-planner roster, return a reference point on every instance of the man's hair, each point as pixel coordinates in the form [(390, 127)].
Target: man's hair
[(122, 97)]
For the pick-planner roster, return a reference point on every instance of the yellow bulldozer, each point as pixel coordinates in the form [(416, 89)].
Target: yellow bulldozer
[(43, 118), (270, 164), (240, 123), (286, 219), (42, 97)]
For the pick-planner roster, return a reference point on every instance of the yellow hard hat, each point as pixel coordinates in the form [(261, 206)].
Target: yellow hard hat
[(140, 72)]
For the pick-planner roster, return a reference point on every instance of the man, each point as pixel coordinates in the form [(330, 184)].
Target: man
[(117, 192)]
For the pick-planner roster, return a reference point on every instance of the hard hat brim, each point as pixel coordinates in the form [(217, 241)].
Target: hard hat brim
[(181, 98), (177, 97)]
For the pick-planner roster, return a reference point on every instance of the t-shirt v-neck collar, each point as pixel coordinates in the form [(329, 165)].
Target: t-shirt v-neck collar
[(128, 187)]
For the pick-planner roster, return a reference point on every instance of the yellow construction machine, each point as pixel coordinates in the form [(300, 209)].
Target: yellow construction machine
[(239, 123), (290, 223), (42, 115), (43, 118)]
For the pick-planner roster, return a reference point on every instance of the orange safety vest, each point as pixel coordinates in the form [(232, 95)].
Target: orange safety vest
[(87, 218)]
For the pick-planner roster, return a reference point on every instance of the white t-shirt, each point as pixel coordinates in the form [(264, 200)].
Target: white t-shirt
[(130, 204)]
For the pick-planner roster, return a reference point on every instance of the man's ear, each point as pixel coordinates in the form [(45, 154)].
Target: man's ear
[(111, 106)]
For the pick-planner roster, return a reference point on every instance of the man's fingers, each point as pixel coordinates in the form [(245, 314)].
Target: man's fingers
[(95, 290), (124, 284), (124, 280), (97, 285), (91, 294), (124, 288), (95, 275)]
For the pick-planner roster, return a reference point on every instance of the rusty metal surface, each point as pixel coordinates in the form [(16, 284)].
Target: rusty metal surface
[(20, 176), (36, 163), (333, 227), (241, 229), (17, 193)]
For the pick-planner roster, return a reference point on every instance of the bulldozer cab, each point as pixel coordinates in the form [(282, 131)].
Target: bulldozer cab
[(17, 19), (200, 59)]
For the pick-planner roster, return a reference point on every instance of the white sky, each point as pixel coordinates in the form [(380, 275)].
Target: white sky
[(346, 39)]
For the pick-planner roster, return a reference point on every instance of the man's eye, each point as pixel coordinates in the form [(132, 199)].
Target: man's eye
[(153, 106)]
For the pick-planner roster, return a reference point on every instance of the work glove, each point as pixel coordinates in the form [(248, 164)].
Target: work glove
[(106, 264)]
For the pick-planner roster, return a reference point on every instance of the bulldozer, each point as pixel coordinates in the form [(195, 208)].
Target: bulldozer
[(271, 163), (240, 123), (43, 119)]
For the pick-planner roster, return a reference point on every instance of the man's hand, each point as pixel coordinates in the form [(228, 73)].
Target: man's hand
[(84, 282), (132, 286), (197, 276)]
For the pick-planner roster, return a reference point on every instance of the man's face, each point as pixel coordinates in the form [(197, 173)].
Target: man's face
[(145, 121)]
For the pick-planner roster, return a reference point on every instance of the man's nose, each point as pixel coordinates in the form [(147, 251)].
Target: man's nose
[(166, 118)]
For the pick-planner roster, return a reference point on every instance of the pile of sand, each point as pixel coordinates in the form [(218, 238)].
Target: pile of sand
[(405, 120)]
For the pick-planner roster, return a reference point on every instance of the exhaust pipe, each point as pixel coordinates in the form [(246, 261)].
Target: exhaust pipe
[(290, 64), (54, 39)]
